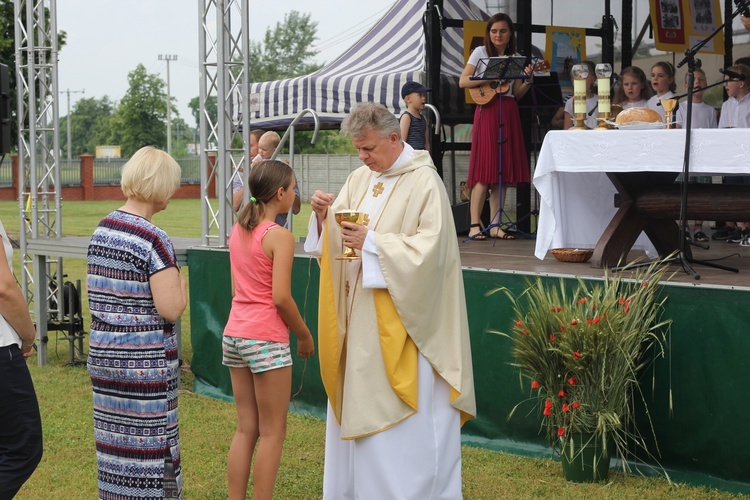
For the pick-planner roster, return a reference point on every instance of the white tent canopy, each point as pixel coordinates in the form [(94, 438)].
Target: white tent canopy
[(372, 70)]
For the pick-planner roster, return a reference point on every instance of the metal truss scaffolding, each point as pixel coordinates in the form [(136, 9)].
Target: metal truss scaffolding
[(224, 46), (38, 157)]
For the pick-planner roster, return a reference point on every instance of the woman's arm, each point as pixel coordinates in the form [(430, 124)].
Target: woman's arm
[(279, 245), (465, 80), (13, 307), (168, 290)]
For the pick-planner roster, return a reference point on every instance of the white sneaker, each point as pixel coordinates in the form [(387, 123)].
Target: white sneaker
[(745, 242)]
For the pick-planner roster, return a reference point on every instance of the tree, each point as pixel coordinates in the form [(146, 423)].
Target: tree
[(141, 117), (89, 125), (195, 109), (286, 50), (8, 55)]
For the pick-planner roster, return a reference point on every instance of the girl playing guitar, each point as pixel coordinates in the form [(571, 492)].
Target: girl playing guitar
[(499, 39)]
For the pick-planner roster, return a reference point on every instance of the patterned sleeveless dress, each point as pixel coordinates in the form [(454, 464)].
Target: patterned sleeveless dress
[(132, 362)]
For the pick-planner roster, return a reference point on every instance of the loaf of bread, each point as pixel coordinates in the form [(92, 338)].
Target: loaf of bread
[(645, 115)]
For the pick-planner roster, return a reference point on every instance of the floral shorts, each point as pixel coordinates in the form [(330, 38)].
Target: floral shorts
[(258, 355)]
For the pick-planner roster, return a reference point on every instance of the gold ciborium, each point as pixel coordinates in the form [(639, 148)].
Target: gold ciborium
[(355, 218), (669, 105)]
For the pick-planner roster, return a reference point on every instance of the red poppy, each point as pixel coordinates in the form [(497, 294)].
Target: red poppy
[(534, 384), (574, 322), (589, 321), (576, 354), (644, 284), (621, 300), (565, 407), (559, 309), (572, 381), (576, 404), (547, 412), (525, 331), (561, 394), (626, 309), (561, 431), (548, 403), (562, 328), (582, 301), (551, 338), (597, 319), (554, 309), (518, 323)]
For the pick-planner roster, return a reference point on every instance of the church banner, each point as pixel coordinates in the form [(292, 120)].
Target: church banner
[(680, 24)]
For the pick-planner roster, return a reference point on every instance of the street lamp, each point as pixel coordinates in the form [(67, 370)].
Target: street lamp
[(68, 91), (168, 58)]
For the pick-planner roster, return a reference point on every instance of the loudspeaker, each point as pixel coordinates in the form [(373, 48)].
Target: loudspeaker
[(462, 216), (5, 144)]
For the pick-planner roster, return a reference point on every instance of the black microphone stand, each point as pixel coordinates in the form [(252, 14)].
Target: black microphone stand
[(693, 63)]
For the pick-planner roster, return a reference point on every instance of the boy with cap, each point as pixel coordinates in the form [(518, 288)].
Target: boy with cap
[(413, 125)]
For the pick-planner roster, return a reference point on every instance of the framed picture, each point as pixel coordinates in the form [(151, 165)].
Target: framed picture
[(565, 47)]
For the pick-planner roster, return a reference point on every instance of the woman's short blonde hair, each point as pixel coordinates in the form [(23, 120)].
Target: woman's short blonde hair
[(150, 175)]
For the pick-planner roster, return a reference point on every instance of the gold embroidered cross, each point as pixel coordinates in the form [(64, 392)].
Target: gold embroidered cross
[(365, 219), (377, 189)]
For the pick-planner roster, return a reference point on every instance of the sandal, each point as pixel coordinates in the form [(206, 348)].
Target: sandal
[(701, 237), (478, 236), (504, 236)]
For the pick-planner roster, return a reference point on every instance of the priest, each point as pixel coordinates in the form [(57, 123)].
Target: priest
[(393, 332)]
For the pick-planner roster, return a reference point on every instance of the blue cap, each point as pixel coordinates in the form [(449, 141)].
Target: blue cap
[(410, 87)]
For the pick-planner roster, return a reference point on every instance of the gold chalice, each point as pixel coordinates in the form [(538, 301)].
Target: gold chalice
[(355, 218), (669, 105)]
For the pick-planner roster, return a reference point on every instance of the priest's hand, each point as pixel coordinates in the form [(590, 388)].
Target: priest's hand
[(746, 22), (320, 202), (353, 235)]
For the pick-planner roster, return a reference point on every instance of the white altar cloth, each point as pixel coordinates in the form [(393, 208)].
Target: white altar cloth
[(577, 197)]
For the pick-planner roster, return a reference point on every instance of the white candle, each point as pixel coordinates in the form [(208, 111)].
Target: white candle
[(603, 85), (579, 93)]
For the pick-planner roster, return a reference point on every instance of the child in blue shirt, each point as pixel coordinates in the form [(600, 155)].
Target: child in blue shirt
[(413, 124)]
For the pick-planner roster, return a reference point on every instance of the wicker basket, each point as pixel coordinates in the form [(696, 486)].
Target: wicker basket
[(572, 254)]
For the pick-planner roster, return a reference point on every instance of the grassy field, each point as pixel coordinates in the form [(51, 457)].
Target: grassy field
[(68, 468)]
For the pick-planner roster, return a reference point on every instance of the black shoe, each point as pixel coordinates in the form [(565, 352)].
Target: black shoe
[(736, 236), (701, 237), (722, 233)]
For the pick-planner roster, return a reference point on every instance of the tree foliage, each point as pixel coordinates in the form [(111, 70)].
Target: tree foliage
[(286, 49), (195, 109), (89, 125), (141, 117)]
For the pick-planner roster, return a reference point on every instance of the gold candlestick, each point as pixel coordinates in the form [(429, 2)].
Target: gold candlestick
[(355, 218), (669, 105)]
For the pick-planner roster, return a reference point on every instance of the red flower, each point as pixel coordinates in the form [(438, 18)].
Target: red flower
[(554, 309), (576, 404), (589, 321), (572, 381), (626, 309), (593, 306), (621, 300), (576, 354), (597, 319), (548, 403), (565, 407), (551, 338), (574, 322), (525, 331), (561, 431), (547, 412), (644, 284), (559, 309), (561, 394), (534, 384), (582, 301), (562, 328), (518, 323)]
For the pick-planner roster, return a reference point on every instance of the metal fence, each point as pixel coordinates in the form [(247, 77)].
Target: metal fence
[(107, 170)]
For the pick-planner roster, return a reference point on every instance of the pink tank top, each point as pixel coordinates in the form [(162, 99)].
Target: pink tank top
[(253, 314)]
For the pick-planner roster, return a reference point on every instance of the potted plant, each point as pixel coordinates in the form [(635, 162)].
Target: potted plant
[(581, 352)]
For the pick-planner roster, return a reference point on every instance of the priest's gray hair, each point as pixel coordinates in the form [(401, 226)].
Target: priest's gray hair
[(370, 115)]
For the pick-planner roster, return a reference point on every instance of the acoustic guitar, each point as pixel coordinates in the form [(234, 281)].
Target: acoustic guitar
[(487, 91)]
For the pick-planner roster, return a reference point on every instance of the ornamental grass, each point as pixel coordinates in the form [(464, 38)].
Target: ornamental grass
[(581, 350)]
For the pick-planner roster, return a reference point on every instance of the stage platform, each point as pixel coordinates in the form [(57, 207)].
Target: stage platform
[(517, 256)]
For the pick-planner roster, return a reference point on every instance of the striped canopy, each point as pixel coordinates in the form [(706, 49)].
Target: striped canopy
[(372, 70)]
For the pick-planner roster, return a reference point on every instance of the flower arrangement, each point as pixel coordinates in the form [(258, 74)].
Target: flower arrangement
[(582, 353)]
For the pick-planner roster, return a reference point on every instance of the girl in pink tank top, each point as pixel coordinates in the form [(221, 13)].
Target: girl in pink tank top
[(256, 337)]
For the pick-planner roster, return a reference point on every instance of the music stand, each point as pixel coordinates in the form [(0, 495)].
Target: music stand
[(500, 69)]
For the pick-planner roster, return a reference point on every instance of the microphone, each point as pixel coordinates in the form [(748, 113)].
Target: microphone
[(742, 4), (732, 74)]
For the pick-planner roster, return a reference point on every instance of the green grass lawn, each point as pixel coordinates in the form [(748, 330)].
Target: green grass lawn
[(68, 468)]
